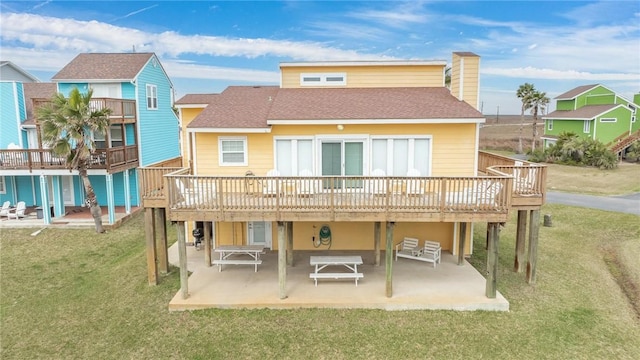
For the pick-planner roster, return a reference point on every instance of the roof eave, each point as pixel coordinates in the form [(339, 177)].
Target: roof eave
[(375, 121), (229, 130)]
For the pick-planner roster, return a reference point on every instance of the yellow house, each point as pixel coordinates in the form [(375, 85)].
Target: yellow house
[(339, 148)]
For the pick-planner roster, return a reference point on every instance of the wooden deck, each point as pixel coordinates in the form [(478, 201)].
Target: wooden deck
[(347, 198)]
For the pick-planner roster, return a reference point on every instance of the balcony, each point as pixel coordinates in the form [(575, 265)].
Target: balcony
[(123, 111), (347, 198), (112, 160)]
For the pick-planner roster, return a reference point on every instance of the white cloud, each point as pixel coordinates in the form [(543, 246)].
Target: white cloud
[(69, 35), (536, 73)]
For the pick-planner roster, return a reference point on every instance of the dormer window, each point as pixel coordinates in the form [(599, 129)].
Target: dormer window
[(323, 79)]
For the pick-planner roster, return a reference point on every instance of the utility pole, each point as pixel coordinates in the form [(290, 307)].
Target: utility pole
[(498, 114)]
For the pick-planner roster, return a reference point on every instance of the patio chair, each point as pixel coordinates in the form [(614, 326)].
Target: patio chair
[(18, 212), (270, 186), (5, 208), (414, 187), (431, 252), (306, 186), (408, 247), (377, 186)]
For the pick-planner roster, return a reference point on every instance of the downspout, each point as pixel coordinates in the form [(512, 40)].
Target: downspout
[(595, 127)]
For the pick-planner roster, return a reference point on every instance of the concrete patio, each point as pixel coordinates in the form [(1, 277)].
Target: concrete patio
[(75, 216), (416, 285)]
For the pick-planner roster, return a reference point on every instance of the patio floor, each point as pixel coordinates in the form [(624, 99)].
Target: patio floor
[(416, 285), (75, 216)]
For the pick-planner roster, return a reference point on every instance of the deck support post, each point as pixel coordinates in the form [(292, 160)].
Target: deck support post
[(462, 242), (282, 258), (388, 256), (207, 243), (534, 229), (492, 260), (290, 243), (182, 254), (518, 264), (150, 239), (111, 202), (162, 250), (376, 242)]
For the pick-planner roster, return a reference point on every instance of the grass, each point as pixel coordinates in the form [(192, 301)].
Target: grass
[(624, 179), (69, 294)]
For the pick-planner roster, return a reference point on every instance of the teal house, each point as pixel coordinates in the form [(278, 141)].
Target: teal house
[(596, 112), (143, 130)]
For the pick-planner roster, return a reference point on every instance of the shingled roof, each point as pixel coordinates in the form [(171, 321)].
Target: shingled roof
[(237, 107), (584, 113), (255, 107), (36, 91), (575, 92), (196, 99), (103, 66)]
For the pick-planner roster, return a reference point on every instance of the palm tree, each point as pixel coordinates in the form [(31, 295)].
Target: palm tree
[(67, 125), (538, 102), (447, 77), (524, 94)]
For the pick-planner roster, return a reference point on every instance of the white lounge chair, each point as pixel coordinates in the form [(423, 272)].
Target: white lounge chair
[(431, 252), (408, 247), (270, 186), (377, 186), (414, 187), (18, 212), (306, 187), (5, 208)]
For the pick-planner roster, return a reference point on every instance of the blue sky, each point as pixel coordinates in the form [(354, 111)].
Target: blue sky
[(208, 45)]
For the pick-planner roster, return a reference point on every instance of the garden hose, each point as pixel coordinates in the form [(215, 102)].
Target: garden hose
[(324, 237)]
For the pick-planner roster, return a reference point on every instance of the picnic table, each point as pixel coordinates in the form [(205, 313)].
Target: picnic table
[(321, 262), (239, 255)]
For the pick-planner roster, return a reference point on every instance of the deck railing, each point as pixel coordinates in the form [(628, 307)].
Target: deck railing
[(122, 110), (34, 159), (334, 196)]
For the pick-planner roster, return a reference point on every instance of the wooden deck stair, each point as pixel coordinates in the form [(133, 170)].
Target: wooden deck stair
[(624, 141)]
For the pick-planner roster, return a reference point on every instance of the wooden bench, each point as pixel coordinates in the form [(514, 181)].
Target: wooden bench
[(321, 262), (430, 252), (237, 262)]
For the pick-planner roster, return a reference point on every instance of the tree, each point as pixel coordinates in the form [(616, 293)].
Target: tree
[(538, 102), (447, 77), (524, 94), (67, 125)]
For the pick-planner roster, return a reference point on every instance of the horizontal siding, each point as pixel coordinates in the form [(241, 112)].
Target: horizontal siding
[(453, 146), (65, 88), (344, 236), (10, 132), (159, 136), (187, 116), (373, 76), (128, 91)]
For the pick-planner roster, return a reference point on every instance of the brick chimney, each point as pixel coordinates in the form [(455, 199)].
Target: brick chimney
[(465, 77)]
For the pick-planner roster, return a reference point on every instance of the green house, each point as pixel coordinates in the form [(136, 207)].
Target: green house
[(597, 112)]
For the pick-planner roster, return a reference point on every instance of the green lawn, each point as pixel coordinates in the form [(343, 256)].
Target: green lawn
[(72, 294)]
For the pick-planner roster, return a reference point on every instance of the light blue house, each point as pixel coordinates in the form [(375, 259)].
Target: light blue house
[(144, 130)]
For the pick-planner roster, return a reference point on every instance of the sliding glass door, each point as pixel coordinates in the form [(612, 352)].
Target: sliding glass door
[(342, 158)]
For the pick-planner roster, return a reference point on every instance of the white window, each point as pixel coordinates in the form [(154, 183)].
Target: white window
[(115, 138), (152, 97), (108, 90), (586, 127), (397, 155), (3, 188), (294, 156), (549, 124), (233, 151), (608, 120), (323, 79)]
